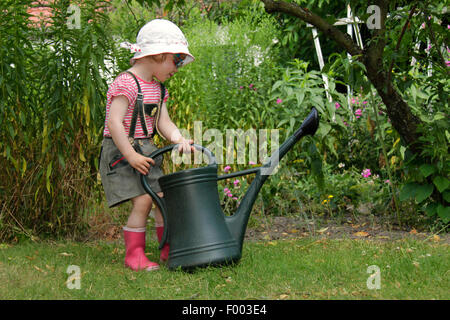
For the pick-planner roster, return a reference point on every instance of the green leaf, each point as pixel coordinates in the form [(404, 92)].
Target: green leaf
[(414, 93), (438, 116), (408, 191), (300, 96), (427, 169), (323, 130), (423, 192), (446, 196), (430, 210), (443, 213), (402, 152), (47, 176), (12, 132), (441, 183)]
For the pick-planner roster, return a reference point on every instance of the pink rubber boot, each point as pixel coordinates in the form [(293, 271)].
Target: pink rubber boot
[(134, 256), (165, 250)]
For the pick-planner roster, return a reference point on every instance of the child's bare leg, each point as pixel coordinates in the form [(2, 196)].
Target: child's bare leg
[(159, 221), (139, 213)]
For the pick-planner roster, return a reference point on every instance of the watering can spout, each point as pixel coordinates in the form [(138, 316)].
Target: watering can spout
[(237, 223)]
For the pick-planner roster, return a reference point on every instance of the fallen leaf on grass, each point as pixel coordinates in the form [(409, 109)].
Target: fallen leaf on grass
[(39, 269), (322, 230), (436, 238), (284, 296), (293, 231), (65, 254), (361, 234), (413, 231)]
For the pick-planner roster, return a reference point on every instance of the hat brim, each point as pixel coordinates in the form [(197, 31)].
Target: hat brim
[(155, 50)]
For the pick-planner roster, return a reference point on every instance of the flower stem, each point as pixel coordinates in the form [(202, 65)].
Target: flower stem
[(383, 147)]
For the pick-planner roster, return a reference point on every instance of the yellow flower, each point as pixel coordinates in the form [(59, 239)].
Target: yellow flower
[(330, 196)]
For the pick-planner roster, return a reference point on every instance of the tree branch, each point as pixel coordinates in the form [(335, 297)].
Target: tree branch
[(372, 57), (304, 14), (397, 47), (435, 44)]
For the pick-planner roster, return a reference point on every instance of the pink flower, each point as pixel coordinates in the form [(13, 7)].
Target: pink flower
[(387, 181), (241, 87), (358, 113), (251, 163), (227, 191), (226, 169), (365, 102), (229, 195), (366, 173), (337, 105), (251, 85), (236, 182), (234, 198), (279, 101), (447, 63)]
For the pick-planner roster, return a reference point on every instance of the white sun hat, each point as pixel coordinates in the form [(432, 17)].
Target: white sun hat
[(159, 36)]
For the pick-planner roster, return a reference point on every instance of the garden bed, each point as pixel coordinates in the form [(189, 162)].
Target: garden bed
[(370, 228)]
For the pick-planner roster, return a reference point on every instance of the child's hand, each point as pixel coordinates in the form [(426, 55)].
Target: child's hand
[(141, 163), (185, 146)]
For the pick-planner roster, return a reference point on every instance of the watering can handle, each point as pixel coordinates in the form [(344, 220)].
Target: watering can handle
[(159, 201), (211, 157)]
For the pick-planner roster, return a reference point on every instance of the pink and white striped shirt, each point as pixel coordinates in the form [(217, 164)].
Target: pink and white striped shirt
[(125, 85)]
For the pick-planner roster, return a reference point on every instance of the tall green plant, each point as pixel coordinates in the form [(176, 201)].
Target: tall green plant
[(53, 96), (234, 70)]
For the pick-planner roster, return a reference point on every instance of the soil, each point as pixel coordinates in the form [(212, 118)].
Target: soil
[(271, 228), (369, 228)]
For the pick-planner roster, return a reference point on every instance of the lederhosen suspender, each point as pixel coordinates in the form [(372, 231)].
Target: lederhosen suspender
[(141, 108)]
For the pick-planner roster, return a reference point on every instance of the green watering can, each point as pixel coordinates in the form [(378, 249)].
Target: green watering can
[(195, 226)]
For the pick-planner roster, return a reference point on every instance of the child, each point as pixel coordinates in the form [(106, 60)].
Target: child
[(130, 123)]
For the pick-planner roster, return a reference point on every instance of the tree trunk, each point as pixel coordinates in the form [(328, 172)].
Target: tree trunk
[(399, 112), (397, 109)]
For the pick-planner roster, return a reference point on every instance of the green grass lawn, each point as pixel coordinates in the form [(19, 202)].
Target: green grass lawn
[(303, 268)]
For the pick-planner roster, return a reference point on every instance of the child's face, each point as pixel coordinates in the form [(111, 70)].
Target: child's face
[(165, 69)]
